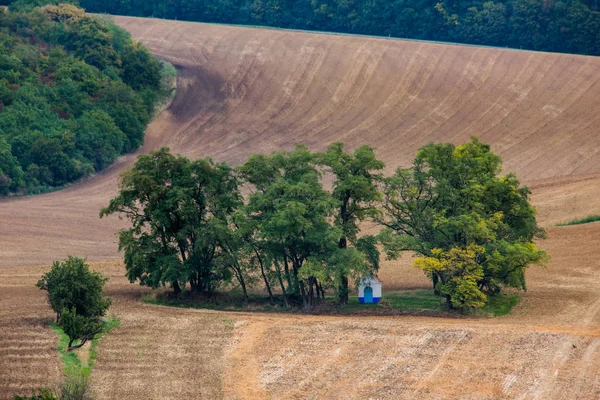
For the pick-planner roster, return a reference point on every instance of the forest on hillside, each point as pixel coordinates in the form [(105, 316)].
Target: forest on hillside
[(569, 26), (75, 93)]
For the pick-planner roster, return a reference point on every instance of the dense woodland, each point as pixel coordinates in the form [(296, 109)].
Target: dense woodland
[(75, 93), (472, 231), (571, 26)]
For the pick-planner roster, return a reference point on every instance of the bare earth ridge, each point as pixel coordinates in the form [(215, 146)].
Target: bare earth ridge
[(246, 90)]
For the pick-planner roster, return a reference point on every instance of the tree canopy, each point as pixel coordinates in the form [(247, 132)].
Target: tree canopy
[(75, 93), (472, 229), (75, 293), (179, 212), (355, 194), (571, 26)]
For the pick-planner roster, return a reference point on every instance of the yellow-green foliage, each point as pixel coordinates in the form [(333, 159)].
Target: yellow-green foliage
[(475, 230), (459, 272)]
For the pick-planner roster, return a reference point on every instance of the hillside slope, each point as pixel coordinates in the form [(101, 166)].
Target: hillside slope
[(245, 90)]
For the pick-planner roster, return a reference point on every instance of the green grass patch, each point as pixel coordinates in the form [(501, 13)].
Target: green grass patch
[(501, 304), (69, 359), (586, 220), (406, 300), (71, 362), (417, 301), (231, 301)]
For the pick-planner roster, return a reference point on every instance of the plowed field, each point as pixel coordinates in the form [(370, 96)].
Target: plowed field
[(244, 90)]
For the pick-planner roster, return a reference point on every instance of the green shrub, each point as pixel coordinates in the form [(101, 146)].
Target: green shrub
[(76, 386), (38, 394)]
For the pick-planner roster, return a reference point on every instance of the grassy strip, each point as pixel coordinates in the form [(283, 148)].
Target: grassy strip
[(586, 220), (403, 301), (501, 304), (219, 302), (406, 300), (70, 360)]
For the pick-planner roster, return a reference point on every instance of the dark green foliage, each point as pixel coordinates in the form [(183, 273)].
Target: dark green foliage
[(190, 224), (72, 285), (75, 294), (586, 220), (180, 213), (79, 327), (355, 193), (75, 93), (564, 25), (292, 215), (472, 229)]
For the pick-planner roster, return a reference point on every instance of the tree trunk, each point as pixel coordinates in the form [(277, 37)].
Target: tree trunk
[(283, 291), (83, 341), (435, 279), (304, 295), (343, 288), (287, 272), (262, 271), (176, 288), (242, 282), (322, 291)]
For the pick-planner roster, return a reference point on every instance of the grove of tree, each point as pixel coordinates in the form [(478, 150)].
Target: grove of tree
[(273, 221), (75, 93), (571, 26)]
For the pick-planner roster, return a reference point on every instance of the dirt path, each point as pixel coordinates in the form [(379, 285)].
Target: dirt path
[(241, 376)]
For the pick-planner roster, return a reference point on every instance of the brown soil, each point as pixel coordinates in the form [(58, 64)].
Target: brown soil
[(243, 90)]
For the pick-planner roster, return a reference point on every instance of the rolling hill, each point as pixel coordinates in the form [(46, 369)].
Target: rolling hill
[(247, 90)]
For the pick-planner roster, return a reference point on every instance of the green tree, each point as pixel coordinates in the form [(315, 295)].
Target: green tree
[(291, 214), (460, 274), (71, 285), (451, 200), (140, 69), (11, 175), (79, 327), (355, 193), (75, 93), (179, 212), (291, 211)]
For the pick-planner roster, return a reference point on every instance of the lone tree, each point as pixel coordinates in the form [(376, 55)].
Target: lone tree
[(473, 229), (75, 294)]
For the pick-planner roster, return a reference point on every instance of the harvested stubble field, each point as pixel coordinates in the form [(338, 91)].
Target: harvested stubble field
[(243, 90)]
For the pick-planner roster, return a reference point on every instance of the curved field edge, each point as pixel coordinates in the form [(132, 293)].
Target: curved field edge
[(243, 91)]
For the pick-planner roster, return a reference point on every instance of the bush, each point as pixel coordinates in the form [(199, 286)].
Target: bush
[(75, 294), (76, 386), (38, 394)]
